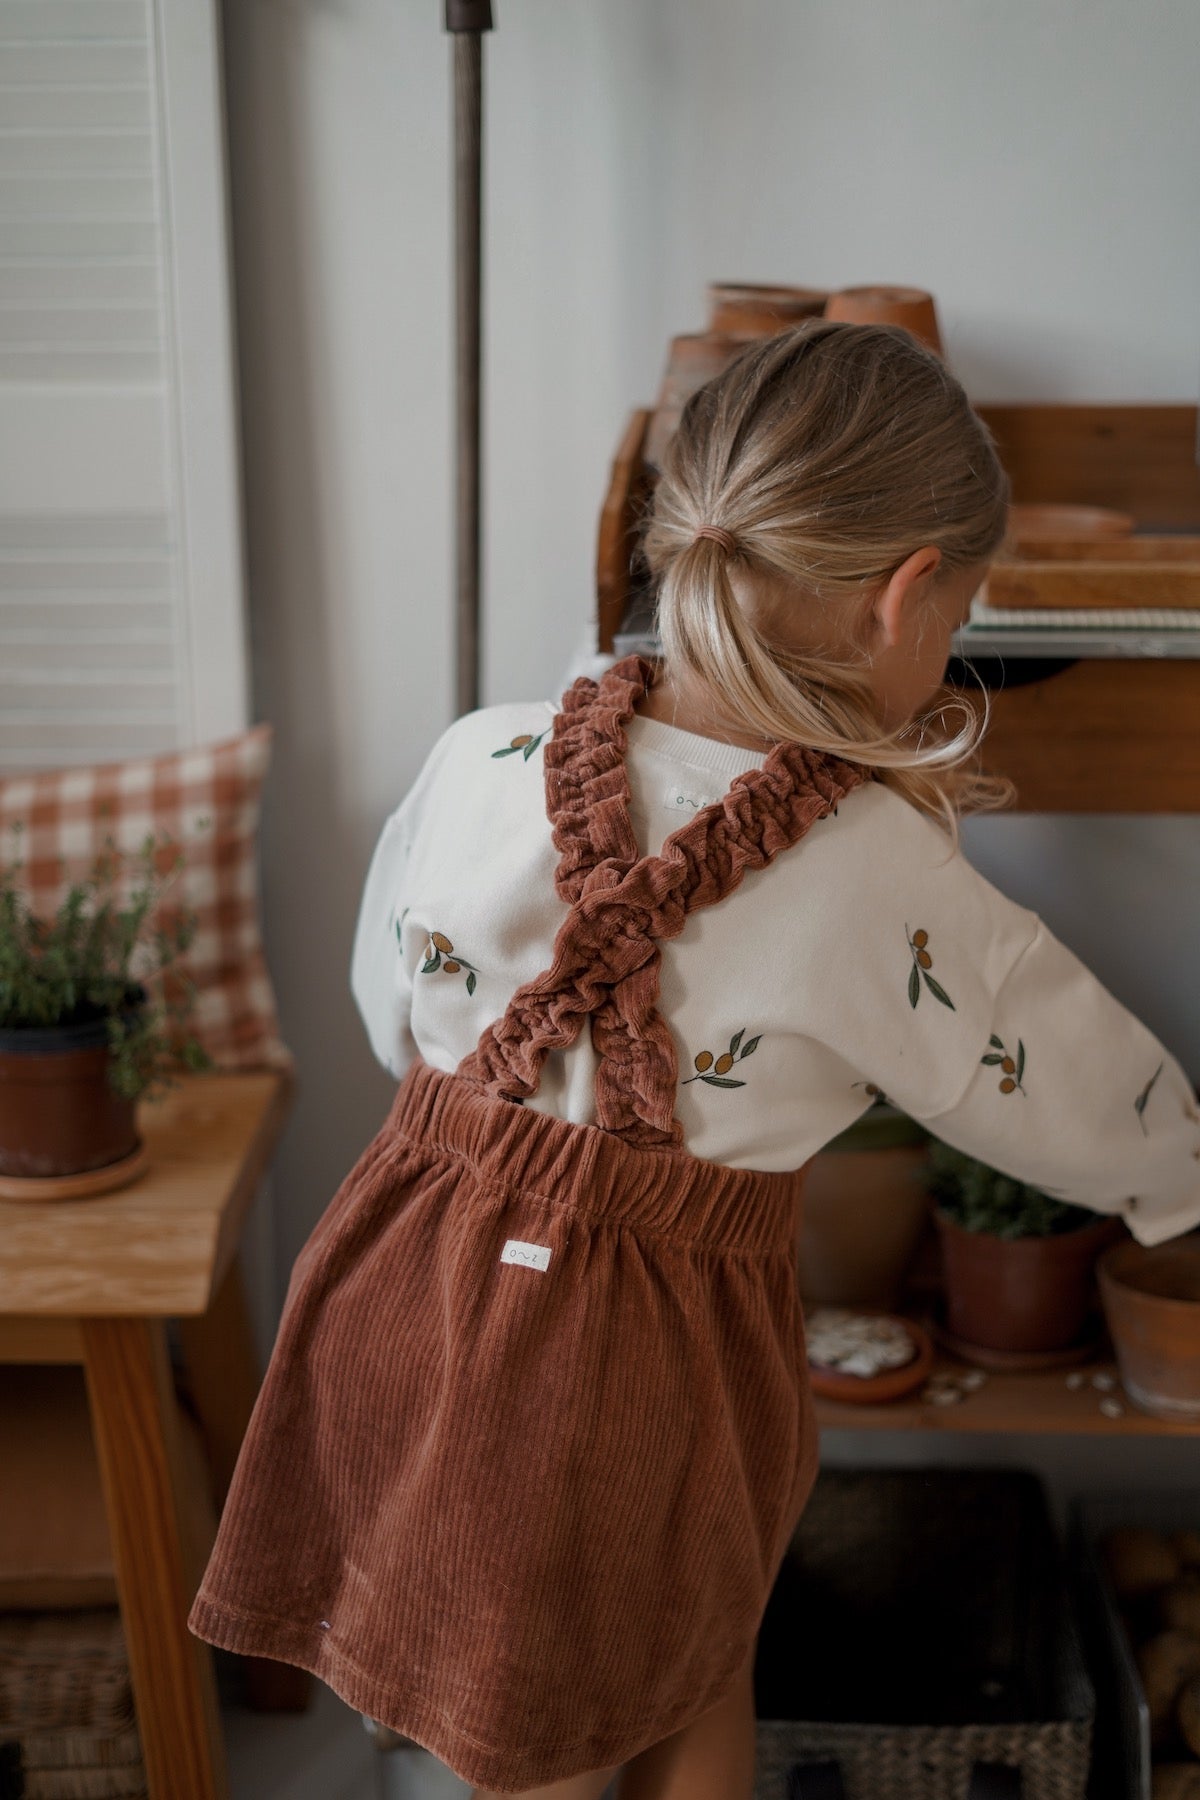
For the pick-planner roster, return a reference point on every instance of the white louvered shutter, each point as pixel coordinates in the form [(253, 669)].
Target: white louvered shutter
[(121, 593)]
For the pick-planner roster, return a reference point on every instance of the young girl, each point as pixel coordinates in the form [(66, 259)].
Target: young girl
[(536, 1430)]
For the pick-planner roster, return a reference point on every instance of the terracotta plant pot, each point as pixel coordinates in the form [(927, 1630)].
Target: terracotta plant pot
[(745, 311), (912, 308), (693, 360), (1028, 1294), (1152, 1305), (58, 1114), (864, 1210)]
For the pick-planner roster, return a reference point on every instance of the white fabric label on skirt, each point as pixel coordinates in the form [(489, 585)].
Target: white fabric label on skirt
[(530, 1256), (688, 800)]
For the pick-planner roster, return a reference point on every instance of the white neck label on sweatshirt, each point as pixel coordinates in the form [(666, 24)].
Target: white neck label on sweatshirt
[(529, 1256), (687, 800)]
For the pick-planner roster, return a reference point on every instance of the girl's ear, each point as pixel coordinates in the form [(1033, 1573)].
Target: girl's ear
[(896, 605)]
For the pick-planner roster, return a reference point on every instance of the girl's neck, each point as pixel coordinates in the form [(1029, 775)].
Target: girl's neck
[(690, 711)]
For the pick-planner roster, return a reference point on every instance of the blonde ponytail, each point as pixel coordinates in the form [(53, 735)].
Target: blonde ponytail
[(816, 464)]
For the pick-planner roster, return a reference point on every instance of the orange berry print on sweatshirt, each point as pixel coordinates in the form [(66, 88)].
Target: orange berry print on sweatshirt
[(714, 1070), (441, 954), (1011, 1068), (525, 743), (922, 962)]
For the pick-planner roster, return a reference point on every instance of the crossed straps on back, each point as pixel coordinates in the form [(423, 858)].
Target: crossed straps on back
[(623, 905)]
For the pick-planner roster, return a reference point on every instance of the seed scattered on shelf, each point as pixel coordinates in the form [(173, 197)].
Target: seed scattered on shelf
[(973, 1380), (1112, 1409), (1076, 1379), (942, 1396), (1104, 1383)]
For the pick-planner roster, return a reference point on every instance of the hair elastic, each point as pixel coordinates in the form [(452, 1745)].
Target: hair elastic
[(719, 536)]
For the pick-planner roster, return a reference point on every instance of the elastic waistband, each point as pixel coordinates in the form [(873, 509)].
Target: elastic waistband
[(666, 1193)]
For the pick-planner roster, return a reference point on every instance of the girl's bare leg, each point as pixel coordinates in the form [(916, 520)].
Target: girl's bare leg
[(710, 1759), (579, 1787)]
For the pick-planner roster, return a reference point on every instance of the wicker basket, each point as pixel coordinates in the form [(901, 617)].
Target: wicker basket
[(66, 1701), (920, 1628)]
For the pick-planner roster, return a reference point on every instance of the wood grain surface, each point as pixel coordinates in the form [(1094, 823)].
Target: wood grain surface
[(1101, 737), (1038, 1404), (156, 1554), (1094, 584), (1138, 459), (160, 1247)]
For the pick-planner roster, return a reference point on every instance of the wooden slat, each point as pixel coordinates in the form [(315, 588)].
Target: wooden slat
[(1053, 585), (160, 1247), (40, 1340), (1105, 737), (1137, 549), (1036, 1404), (618, 530), (1139, 459)]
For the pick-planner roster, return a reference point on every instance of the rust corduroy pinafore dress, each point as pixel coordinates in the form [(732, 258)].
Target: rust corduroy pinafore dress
[(528, 1512)]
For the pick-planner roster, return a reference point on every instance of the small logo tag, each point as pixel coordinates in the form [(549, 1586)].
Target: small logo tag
[(530, 1256), (687, 800)]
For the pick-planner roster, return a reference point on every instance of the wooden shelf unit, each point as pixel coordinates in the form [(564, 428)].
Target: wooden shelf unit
[(1088, 736)]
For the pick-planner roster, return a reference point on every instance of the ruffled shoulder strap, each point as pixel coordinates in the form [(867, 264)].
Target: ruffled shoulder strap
[(606, 958)]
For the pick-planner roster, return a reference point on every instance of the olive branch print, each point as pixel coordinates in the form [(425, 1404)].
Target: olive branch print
[(526, 743), (441, 954), (1139, 1105), (713, 1070), (1011, 1068), (922, 962)]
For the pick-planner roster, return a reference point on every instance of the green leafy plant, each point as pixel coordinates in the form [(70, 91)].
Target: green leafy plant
[(980, 1198), (92, 960)]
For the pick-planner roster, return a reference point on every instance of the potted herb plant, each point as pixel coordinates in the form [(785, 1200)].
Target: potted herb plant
[(80, 1039), (1018, 1264)]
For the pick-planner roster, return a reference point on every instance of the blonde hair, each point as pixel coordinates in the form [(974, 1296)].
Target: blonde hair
[(827, 455)]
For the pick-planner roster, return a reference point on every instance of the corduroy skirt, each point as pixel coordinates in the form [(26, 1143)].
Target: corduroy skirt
[(534, 1437)]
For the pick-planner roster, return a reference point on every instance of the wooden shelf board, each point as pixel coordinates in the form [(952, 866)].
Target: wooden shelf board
[(1032, 1404)]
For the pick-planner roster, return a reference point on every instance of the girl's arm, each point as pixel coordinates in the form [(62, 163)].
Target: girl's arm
[(973, 1018), (379, 981), (378, 978)]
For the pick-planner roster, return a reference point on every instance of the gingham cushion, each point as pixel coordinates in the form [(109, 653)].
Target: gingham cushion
[(207, 801)]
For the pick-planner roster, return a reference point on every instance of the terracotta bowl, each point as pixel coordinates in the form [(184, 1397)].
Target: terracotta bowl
[(1152, 1304), (1036, 522), (912, 308), (749, 310), (877, 1390)]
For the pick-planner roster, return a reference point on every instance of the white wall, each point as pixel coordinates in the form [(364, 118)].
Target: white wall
[(1033, 162)]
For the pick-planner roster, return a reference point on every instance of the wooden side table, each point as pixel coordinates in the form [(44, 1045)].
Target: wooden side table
[(94, 1282)]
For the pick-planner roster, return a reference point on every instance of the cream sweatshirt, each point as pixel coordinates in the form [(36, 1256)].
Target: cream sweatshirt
[(869, 958)]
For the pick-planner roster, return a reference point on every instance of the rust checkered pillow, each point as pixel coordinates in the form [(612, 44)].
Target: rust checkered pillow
[(207, 802)]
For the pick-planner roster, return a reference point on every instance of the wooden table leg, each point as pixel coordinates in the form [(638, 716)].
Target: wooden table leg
[(137, 1444)]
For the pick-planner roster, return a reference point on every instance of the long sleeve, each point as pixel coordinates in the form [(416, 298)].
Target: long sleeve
[(378, 979), (992, 1033)]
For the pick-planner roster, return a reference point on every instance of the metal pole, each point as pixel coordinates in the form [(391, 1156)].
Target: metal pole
[(467, 20)]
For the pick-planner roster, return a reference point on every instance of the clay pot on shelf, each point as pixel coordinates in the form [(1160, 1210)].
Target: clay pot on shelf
[(745, 310), (58, 1114), (1152, 1305), (1031, 1295), (694, 359), (912, 308), (864, 1210)]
